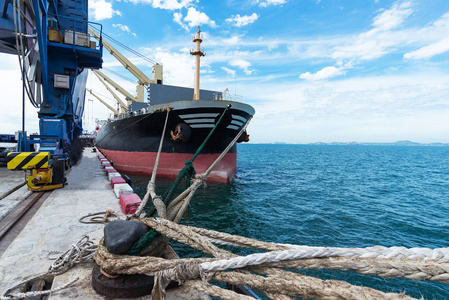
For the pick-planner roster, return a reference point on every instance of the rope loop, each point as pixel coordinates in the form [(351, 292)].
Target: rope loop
[(100, 217)]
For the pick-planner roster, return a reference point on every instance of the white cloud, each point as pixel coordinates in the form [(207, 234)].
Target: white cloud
[(442, 23), (429, 51), (179, 66), (102, 10), (267, 3), (240, 21), (327, 72), (393, 17), (197, 18), (165, 4), (369, 109), (171, 4), (229, 71), (177, 17), (232, 40), (433, 39), (242, 64), (192, 19), (381, 39), (124, 28)]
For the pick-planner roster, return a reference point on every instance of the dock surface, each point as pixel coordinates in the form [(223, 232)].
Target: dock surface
[(55, 227)]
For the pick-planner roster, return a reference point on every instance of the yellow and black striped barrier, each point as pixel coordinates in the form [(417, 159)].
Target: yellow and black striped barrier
[(27, 160)]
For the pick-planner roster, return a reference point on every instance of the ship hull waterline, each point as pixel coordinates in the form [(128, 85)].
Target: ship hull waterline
[(132, 143)]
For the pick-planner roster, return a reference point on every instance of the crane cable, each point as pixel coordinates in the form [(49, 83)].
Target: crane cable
[(20, 51), (120, 75), (127, 48)]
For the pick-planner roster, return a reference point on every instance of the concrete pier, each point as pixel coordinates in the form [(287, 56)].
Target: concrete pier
[(56, 226)]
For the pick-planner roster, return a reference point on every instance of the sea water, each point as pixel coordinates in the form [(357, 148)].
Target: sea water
[(333, 196)]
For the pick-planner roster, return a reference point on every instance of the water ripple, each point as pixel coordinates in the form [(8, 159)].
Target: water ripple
[(342, 196)]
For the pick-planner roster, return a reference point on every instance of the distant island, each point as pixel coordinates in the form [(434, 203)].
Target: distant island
[(398, 143)]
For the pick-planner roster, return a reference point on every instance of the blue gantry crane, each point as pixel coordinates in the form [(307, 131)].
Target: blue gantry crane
[(55, 51)]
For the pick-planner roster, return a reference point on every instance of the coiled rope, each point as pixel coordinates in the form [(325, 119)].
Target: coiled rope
[(82, 251)]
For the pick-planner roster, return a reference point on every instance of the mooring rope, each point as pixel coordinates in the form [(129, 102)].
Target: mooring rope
[(176, 211), (413, 263), (99, 217), (188, 170), (82, 251), (5, 296), (151, 189)]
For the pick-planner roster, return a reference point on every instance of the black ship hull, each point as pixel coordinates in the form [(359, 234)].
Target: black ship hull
[(132, 143)]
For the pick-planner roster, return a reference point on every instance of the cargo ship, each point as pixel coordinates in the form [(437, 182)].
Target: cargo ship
[(132, 142)]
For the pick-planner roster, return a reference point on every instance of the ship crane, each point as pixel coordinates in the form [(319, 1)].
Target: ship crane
[(116, 112), (143, 80), (103, 78)]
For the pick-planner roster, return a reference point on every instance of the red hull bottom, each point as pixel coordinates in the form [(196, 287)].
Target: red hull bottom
[(141, 163)]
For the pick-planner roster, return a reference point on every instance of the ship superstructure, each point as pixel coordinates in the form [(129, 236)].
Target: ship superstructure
[(131, 140)]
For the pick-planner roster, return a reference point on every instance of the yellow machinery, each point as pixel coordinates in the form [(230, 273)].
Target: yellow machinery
[(43, 176)]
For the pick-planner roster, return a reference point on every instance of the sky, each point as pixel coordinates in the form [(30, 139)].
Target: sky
[(314, 70)]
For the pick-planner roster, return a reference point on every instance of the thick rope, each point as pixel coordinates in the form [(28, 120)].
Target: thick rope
[(151, 184), (100, 217), (215, 291), (400, 266), (298, 285), (305, 253), (408, 263), (192, 269), (215, 163), (405, 268), (82, 251), (188, 169), (317, 289), (175, 212), (210, 269), (36, 293), (149, 237)]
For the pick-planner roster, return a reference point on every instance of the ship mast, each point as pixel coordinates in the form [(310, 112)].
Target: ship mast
[(197, 38)]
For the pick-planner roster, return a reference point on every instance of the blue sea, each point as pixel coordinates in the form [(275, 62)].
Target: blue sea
[(336, 196)]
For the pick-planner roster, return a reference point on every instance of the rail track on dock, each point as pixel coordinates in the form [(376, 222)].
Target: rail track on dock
[(20, 213)]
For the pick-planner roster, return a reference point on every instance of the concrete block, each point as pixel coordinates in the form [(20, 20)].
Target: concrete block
[(122, 188), (112, 170), (129, 203), (117, 180), (114, 175)]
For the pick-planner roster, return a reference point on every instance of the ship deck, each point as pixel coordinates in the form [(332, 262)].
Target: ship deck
[(54, 226)]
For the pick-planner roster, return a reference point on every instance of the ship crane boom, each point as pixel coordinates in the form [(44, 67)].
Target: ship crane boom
[(104, 102), (141, 77), (121, 90), (123, 106), (143, 80)]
